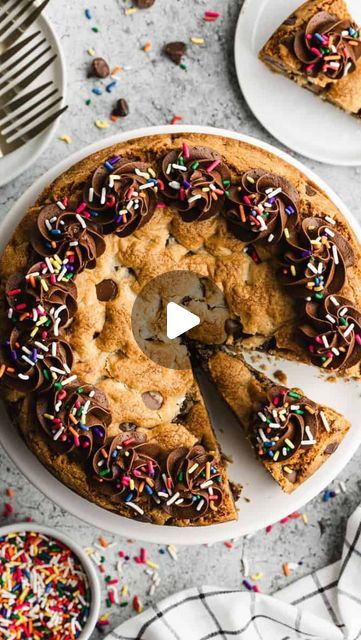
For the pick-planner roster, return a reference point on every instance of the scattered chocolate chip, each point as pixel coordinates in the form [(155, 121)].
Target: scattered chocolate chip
[(99, 68), (106, 290), (144, 4), (331, 448), (175, 51), (121, 108), (152, 400), (280, 376), (233, 328), (310, 191), (236, 490)]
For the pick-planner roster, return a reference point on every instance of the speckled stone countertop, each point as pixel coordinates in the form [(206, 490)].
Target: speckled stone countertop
[(206, 93)]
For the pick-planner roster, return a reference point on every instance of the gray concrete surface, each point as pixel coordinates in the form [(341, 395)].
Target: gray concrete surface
[(206, 93)]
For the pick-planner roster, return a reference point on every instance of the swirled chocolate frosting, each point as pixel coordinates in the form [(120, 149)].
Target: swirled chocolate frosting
[(75, 417), (128, 469), (195, 182), (328, 46), (121, 195), (193, 485), (261, 207), (332, 333), (35, 362), (316, 260), (284, 424), (43, 297), (67, 235)]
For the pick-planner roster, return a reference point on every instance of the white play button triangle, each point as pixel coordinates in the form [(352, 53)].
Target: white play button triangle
[(179, 320)]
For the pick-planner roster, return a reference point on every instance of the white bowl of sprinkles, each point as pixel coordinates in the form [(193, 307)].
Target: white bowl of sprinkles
[(53, 588)]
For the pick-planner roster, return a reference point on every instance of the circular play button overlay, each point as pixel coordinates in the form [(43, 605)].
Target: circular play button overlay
[(173, 308)]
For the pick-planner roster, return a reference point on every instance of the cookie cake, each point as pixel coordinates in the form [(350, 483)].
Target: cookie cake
[(129, 434)]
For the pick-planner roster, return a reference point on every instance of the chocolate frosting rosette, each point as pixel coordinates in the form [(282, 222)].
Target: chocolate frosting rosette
[(192, 485), (316, 260), (122, 195), (196, 181), (67, 234), (328, 46), (35, 362), (41, 296), (332, 332), (128, 469), (75, 418), (261, 207), (284, 424)]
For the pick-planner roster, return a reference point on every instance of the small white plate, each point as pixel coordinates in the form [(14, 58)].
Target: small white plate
[(267, 502), (294, 116), (18, 161)]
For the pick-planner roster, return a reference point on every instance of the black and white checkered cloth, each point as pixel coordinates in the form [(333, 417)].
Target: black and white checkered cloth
[(323, 606)]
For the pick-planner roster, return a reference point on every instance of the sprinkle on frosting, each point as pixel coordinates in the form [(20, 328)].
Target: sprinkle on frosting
[(328, 47), (121, 195), (316, 260), (196, 182), (262, 206), (75, 417), (286, 423), (128, 470), (191, 483), (332, 333)]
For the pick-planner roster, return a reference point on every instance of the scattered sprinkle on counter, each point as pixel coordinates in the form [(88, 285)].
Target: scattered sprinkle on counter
[(66, 138), (176, 119), (88, 14), (130, 11), (102, 124), (44, 592)]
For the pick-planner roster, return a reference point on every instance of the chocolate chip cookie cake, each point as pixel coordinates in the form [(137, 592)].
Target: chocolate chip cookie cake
[(319, 47), (121, 430)]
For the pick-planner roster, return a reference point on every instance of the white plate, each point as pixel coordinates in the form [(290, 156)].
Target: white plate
[(267, 502), (18, 161), (296, 117)]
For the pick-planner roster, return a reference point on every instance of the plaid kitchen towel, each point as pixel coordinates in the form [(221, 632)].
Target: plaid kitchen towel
[(323, 606)]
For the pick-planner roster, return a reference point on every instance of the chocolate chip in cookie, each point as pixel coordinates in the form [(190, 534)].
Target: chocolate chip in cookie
[(106, 290), (152, 400)]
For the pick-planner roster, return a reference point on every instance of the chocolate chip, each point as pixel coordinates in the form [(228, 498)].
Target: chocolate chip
[(144, 4), (175, 51), (121, 108), (99, 68), (310, 191), (106, 290), (331, 448), (233, 327), (152, 400)]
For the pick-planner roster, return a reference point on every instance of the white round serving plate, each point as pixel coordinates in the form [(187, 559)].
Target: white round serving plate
[(294, 116), (86, 563), (267, 503), (12, 165)]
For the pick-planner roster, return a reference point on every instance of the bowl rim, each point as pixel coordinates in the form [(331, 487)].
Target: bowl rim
[(86, 563)]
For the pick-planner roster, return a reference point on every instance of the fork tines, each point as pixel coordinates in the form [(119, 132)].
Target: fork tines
[(14, 21)]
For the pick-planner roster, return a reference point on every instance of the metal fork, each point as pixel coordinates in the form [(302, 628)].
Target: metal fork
[(23, 116), (13, 23)]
